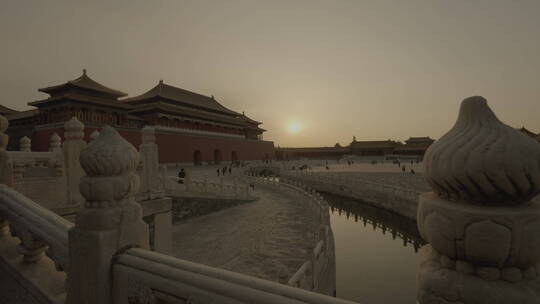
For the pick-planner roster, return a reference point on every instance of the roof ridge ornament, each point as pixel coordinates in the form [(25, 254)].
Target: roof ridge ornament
[(84, 72), (482, 160)]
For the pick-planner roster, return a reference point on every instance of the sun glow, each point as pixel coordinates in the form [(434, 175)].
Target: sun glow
[(294, 127)]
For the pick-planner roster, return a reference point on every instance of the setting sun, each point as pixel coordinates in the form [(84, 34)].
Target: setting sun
[(294, 127)]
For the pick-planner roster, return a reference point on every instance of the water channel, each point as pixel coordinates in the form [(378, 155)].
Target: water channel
[(376, 253)]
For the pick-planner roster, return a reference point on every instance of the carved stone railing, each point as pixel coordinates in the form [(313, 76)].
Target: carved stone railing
[(148, 277), (315, 269), (203, 187), (401, 200), (39, 229)]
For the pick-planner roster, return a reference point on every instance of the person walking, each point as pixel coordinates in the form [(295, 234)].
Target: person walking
[(217, 171), (181, 176)]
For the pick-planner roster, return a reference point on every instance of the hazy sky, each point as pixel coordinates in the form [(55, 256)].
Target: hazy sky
[(376, 69)]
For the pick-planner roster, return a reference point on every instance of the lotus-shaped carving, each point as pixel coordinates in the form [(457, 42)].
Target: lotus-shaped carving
[(482, 160), (109, 155)]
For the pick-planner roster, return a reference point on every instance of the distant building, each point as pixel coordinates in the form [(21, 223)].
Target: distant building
[(190, 127), (312, 152), (373, 148), (414, 146)]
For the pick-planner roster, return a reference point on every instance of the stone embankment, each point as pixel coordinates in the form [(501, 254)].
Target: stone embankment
[(396, 192)]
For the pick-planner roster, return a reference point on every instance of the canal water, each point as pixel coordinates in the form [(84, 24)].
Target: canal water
[(376, 253)]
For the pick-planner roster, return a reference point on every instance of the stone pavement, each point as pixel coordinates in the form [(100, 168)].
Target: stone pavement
[(269, 238)]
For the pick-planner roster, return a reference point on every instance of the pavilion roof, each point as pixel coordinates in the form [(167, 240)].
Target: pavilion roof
[(181, 96), (6, 110), (82, 98), (84, 82), (22, 114), (249, 120), (182, 110)]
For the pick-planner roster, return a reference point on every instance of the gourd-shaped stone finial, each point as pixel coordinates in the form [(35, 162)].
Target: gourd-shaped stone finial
[(4, 124), (148, 134), (482, 160), (109, 162), (55, 142), (74, 129), (94, 135), (25, 144)]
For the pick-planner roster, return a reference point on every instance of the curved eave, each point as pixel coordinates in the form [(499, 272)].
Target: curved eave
[(82, 99)]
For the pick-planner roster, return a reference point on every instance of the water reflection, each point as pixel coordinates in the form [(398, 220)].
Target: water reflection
[(397, 225), (374, 263)]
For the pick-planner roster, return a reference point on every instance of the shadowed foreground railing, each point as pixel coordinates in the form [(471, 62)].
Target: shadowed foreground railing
[(37, 227), (139, 273)]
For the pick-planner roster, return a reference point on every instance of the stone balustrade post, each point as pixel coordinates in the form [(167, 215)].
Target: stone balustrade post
[(55, 143), (482, 219), (94, 135), (31, 248), (110, 221), (150, 187), (72, 147), (205, 181), (25, 144), (6, 174)]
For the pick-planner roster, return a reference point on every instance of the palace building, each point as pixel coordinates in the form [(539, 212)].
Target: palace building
[(414, 146), (190, 127)]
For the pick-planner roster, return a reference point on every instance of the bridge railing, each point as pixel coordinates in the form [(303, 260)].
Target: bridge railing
[(205, 187), (336, 180), (40, 230), (313, 270), (157, 278)]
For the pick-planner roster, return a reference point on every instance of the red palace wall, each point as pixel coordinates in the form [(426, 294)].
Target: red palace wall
[(178, 148)]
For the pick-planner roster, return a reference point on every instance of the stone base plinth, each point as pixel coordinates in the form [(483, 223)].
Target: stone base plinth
[(441, 281)]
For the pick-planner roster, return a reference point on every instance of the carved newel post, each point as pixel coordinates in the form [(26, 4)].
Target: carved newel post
[(72, 147), (55, 143), (151, 187), (482, 219), (25, 144), (110, 221)]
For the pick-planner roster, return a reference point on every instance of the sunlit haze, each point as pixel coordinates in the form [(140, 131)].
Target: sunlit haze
[(371, 69)]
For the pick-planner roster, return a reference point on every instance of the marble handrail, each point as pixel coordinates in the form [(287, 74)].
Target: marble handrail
[(319, 257), (173, 280), (36, 226)]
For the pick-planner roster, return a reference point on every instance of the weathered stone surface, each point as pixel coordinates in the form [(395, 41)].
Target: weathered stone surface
[(511, 274), (529, 252), (529, 273), (440, 285), (488, 273), (464, 267), (440, 233), (483, 160), (447, 262), (487, 243)]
